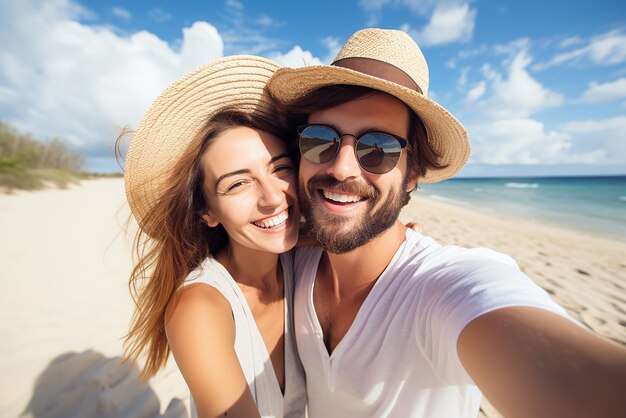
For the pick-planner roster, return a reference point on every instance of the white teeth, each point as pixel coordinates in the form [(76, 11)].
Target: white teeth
[(274, 221), (343, 198)]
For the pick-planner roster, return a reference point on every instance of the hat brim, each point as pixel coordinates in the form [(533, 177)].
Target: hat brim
[(446, 134), (181, 112)]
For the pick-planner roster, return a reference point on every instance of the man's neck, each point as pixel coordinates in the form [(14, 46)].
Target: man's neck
[(344, 281), (351, 272)]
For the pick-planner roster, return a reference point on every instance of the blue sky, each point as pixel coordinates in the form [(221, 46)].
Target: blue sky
[(540, 86)]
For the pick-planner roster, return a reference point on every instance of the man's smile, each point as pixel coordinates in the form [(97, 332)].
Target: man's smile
[(338, 197)]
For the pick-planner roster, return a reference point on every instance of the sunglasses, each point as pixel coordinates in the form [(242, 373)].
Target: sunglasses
[(376, 152)]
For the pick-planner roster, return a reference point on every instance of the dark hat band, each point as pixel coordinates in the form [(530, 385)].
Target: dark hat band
[(379, 69)]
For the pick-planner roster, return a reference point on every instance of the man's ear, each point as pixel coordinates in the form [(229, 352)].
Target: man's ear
[(412, 183), (210, 219)]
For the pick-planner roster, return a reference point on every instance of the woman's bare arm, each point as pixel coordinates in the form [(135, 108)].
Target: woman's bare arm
[(201, 333)]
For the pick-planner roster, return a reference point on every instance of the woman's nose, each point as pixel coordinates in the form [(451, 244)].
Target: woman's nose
[(271, 193)]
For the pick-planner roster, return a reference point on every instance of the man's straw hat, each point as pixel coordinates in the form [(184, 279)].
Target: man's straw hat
[(181, 112), (389, 61)]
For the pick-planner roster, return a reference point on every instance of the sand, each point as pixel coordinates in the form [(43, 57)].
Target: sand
[(64, 264)]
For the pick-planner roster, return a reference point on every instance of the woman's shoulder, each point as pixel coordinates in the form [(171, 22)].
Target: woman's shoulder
[(198, 300), (198, 309), (211, 276)]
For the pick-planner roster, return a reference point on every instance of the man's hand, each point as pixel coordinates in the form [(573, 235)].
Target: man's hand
[(415, 226)]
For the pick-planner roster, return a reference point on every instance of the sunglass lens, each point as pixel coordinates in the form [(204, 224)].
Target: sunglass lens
[(318, 143), (378, 153)]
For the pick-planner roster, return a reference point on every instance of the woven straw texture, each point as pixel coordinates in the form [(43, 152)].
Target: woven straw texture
[(446, 134), (178, 115)]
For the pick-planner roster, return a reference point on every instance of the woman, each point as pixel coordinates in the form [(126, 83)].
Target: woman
[(211, 180)]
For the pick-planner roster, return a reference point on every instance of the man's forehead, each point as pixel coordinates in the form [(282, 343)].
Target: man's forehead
[(377, 111)]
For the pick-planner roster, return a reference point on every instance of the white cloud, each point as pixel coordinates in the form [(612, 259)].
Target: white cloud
[(498, 114), (473, 52), (373, 7), (526, 141), (333, 46), (596, 126), (450, 20), (424, 7), (242, 40), (516, 95), (158, 15), (476, 92), (122, 13), (502, 133), (264, 20), (373, 4), (605, 92), (245, 34), (571, 41), (606, 134), (461, 83), (295, 58), (82, 83), (606, 49), (234, 4), (448, 25), (511, 49), (419, 7), (201, 43)]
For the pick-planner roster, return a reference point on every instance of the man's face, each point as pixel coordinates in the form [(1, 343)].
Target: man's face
[(344, 205)]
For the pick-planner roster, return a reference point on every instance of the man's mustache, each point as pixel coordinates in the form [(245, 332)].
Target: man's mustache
[(346, 186)]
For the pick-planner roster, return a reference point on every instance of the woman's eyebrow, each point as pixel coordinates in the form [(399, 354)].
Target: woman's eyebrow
[(232, 173), (246, 171), (279, 156)]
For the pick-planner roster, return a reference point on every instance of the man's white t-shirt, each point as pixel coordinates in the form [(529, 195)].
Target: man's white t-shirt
[(399, 357)]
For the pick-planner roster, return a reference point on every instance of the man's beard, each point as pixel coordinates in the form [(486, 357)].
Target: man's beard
[(339, 234)]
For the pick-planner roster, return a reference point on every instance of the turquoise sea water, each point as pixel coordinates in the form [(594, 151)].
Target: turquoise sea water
[(596, 204)]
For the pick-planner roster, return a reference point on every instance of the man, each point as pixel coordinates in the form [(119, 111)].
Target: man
[(388, 322)]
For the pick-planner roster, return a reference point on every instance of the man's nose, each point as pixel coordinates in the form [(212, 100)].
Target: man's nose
[(345, 164)]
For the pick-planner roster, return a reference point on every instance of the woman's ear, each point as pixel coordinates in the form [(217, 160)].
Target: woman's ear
[(210, 219)]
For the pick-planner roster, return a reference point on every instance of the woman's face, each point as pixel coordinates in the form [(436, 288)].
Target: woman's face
[(250, 183)]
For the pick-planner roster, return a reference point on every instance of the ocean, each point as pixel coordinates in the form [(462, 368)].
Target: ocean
[(595, 204)]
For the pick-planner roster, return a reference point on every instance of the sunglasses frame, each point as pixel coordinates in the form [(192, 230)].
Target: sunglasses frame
[(404, 143)]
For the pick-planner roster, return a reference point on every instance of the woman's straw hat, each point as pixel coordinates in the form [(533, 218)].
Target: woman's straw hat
[(181, 112), (389, 61)]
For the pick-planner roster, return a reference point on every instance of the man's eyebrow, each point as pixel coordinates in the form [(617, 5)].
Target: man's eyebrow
[(358, 133), (246, 171)]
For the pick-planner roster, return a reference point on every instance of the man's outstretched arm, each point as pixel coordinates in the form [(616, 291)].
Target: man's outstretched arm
[(529, 362)]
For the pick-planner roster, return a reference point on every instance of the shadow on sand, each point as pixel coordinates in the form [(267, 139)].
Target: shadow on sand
[(88, 384)]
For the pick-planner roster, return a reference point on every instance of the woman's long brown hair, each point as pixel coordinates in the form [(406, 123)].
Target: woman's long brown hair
[(179, 239)]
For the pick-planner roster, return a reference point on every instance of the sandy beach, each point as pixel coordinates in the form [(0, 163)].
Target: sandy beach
[(64, 264), (65, 308)]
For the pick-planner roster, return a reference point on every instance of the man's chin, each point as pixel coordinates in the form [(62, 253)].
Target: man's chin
[(340, 237), (338, 244)]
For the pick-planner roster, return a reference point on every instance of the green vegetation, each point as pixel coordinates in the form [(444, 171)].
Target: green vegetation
[(29, 164)]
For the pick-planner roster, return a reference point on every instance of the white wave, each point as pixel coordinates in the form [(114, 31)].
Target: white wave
[(522, 185)]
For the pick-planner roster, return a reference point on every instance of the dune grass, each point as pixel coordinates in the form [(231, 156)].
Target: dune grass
[(29, 164)]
